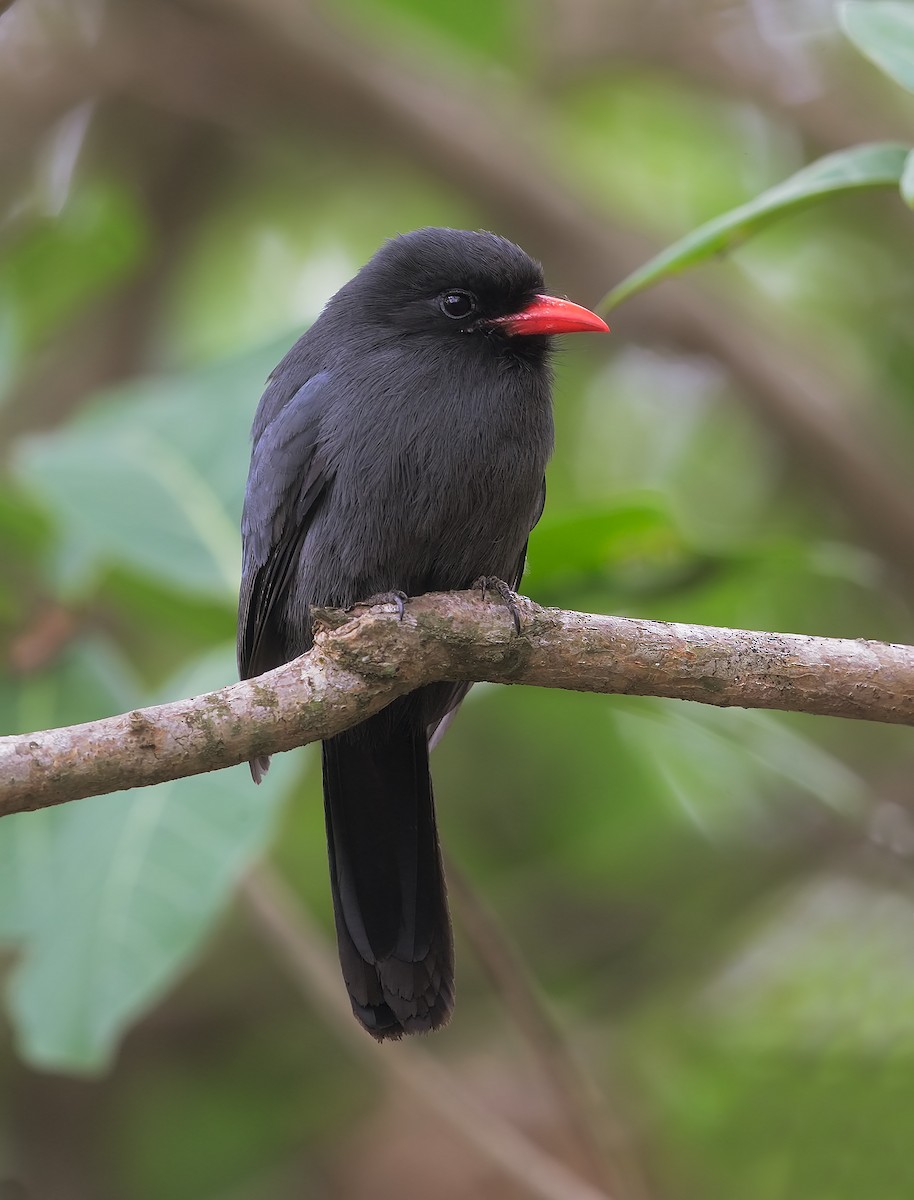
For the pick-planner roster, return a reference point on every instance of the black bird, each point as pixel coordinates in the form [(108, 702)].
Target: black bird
[(400, 447)]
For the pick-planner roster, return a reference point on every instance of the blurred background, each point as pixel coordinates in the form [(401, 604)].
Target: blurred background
[(685, 936)]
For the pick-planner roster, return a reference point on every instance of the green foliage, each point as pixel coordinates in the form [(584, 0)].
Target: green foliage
[(135, 482), (906, 183), (662, 156), (710, 898), (760, 1075), (106, 900), (481, 32), (60, 265), (880, 165), (883, 30)]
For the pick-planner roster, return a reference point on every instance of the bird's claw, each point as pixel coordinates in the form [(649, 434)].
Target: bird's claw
[(398, 598), (491, 583)]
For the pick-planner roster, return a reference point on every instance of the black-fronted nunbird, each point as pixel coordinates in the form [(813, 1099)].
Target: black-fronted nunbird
[(400, 447)]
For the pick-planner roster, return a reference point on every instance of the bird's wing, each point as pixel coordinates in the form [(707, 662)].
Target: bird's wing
[(518, 571), (286, 483)]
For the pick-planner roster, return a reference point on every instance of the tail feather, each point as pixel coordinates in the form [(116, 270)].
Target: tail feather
[(389, 899), (259, 767)]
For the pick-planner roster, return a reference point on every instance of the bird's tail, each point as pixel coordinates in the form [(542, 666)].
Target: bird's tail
[(389, 898)]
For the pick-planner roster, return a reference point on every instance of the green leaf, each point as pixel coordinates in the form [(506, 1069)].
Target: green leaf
[(632, 535), (91, 679), (152, 477), (113, 895), (832, 964), (725, 769), (883, 30), (9, 351), (880, 164), (906, 186), (589, 539), (59, 265), (26, 842), (481, 30)]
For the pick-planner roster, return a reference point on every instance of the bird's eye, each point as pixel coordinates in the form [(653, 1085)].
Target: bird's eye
[(457, 304)]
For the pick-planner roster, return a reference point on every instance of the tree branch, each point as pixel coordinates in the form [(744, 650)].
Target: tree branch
[(361, 662)]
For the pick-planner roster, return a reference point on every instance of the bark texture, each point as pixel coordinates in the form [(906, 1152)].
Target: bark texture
[(362, 660)]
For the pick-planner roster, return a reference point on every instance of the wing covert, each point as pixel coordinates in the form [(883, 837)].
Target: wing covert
[(287, 479)]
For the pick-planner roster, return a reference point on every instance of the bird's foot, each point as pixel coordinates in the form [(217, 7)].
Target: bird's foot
[(398, 598), (491, 583)]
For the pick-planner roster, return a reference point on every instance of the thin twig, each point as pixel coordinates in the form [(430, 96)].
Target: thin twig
[(301, 949)]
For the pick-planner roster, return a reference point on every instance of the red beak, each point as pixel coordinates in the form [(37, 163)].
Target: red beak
[(548, 314)]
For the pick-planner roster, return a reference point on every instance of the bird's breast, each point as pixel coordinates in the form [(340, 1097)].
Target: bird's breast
[(434, 489)]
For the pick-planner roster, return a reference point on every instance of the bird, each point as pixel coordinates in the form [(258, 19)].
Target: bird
[(399, 448)]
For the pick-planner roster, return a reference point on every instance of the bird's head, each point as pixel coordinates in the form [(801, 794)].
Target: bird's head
[(455, 282)]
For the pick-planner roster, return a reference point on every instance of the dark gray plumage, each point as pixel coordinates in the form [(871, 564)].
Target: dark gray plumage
[(399, 446)]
